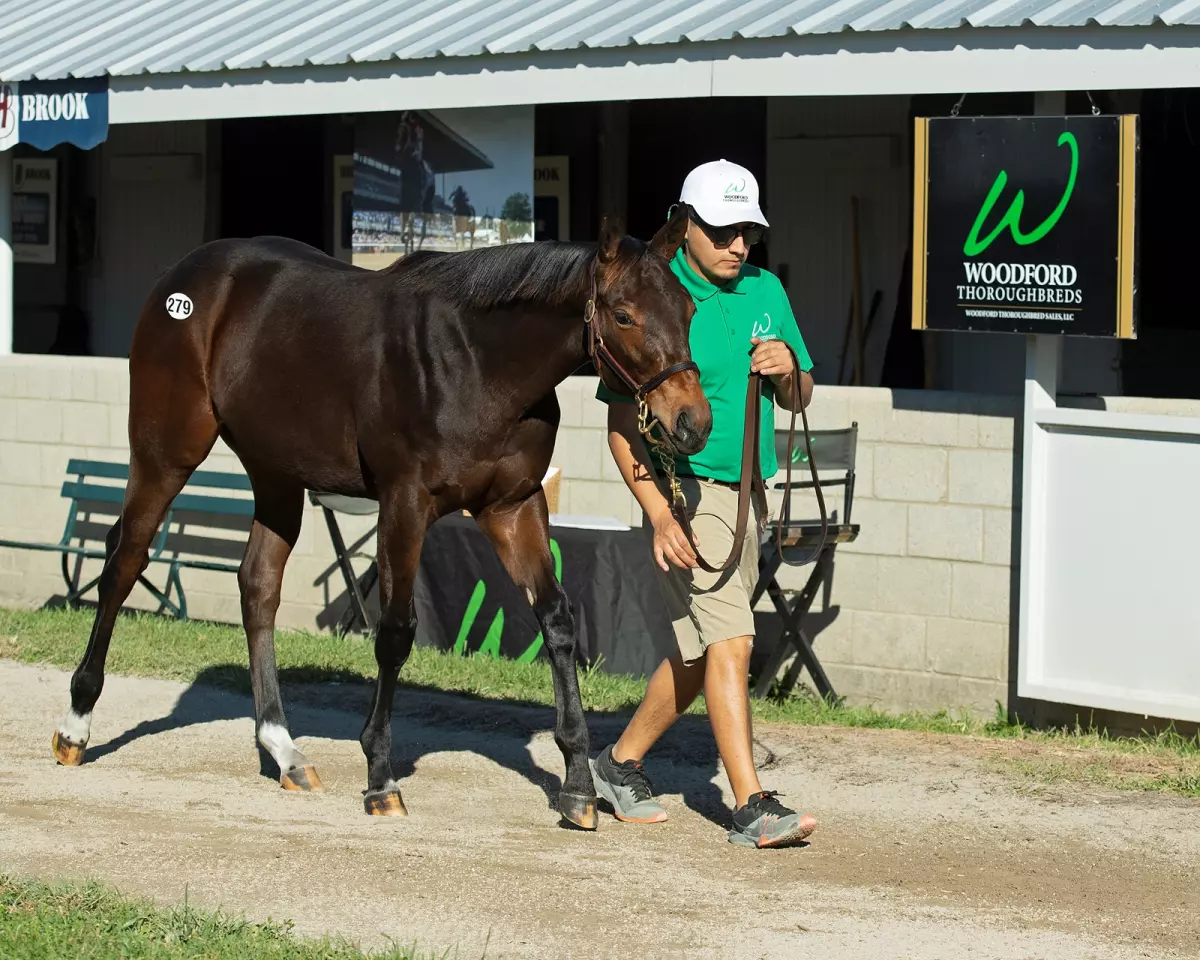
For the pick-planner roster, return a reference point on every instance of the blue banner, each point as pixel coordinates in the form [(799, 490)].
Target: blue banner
[(44, 113)]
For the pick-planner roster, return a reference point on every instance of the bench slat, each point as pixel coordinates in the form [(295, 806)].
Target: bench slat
[(99, 468), (197, 503), (93, 491), (120, 471), (93, 553), (52, 547), (225, 481), (202, 504)]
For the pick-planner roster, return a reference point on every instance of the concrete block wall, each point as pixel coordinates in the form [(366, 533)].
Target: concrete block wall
[(919, 611), (56, 408), (920, 604)]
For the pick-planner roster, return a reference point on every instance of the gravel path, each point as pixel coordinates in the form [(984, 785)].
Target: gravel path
[(925, 848)]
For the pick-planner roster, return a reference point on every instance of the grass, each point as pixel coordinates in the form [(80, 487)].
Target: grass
[(1148, 773), (85, 921), (145, 645)]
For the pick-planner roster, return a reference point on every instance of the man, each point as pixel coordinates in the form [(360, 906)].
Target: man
[(742, 314)]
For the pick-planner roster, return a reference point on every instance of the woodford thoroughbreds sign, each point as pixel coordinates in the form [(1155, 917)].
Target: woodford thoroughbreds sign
[(1026, 225)]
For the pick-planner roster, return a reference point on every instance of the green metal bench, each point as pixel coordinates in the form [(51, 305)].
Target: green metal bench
[(187, 539)]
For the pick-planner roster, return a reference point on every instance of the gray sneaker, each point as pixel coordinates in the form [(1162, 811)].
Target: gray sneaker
[(765, 822), (627, 788)]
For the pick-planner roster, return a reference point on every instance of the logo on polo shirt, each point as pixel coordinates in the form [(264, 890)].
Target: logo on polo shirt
[(762, 328)]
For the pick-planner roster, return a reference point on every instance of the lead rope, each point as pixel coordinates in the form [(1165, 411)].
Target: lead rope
[(786, 513), (646, 424)]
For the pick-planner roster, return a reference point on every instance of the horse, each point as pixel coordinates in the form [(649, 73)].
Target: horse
[(417, 181), (428, 386), (464, 215)]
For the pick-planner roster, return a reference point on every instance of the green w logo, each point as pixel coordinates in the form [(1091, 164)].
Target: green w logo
[(1012, 217)]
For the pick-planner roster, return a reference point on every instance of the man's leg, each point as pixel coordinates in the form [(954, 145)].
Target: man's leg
[(672, 688), (759, 820), (727, 697), (618, 773)]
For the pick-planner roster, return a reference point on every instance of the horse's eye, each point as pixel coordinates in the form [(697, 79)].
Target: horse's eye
[(623, 319)]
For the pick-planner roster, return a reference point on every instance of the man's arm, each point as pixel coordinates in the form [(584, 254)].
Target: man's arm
[(783, 370), (633, 460), (785, 393)]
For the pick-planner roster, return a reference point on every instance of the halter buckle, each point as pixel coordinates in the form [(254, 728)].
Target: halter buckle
[(589, 311)]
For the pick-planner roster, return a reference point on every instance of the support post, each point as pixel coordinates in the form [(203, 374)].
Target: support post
[(6, 254), (614, 159), (1043, 360)]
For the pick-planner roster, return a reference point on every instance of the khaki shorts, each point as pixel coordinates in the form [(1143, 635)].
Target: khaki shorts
[(706, 608)]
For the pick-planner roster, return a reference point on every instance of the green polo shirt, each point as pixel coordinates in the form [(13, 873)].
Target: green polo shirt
[(753, 304)]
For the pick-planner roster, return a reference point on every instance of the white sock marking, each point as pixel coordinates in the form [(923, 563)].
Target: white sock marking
[(279, 745), (75, 728)]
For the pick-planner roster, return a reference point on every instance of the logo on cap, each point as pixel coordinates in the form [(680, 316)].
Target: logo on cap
[(736, 191)]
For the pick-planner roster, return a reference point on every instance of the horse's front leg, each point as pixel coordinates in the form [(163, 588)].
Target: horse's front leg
[(403, 520), (521, 535)]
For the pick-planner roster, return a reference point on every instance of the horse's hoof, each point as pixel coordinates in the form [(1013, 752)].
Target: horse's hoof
[(68, 753), (385, 803), (579, 810), (304, 779)]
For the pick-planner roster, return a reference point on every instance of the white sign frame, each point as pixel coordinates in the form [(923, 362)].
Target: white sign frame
[(1133, 643)]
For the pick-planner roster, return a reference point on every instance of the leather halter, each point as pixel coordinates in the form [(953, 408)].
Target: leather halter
[(751, 480), (598, 351)]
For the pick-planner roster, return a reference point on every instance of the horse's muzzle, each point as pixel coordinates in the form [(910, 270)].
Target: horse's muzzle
[(691, 431)]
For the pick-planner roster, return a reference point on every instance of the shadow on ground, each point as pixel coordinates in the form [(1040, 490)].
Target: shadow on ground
[(425, 721)]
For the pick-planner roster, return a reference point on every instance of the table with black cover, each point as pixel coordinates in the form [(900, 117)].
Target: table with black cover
[(465, 599)]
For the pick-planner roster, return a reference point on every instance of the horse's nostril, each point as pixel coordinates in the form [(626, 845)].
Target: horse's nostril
[(683, 425)]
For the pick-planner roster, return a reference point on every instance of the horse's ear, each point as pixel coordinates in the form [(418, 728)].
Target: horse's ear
[(612, 232), (670, 235)]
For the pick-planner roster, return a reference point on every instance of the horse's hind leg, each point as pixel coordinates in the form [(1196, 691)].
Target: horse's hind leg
[(171, 431), (278, 512), (152, 487), (521, 535), (403, 520)]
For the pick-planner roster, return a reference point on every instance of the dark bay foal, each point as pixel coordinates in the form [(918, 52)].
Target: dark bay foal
[(428, 386)]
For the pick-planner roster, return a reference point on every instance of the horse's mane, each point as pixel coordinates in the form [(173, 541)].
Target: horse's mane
[(550, 273)]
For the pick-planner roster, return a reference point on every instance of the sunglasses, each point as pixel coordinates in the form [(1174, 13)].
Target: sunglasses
[(722, 237)]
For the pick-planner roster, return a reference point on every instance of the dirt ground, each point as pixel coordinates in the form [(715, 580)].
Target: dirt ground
[(924, 848)]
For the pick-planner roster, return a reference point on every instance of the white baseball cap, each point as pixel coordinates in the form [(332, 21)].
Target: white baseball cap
[(722, 193)]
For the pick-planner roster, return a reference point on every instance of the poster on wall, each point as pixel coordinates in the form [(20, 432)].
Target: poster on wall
[(1026, 224), (441, 180), (35, 210)]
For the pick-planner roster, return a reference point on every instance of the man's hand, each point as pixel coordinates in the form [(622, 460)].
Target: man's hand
[(670, 542), (771, 358)]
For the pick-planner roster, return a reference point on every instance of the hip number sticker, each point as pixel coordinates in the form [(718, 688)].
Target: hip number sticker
[(179, 306)]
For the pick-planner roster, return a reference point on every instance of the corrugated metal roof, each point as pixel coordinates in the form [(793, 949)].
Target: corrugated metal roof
[(49, 39)]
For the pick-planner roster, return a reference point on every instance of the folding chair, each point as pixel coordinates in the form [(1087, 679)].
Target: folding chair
[(832, 450), (356, 618)]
